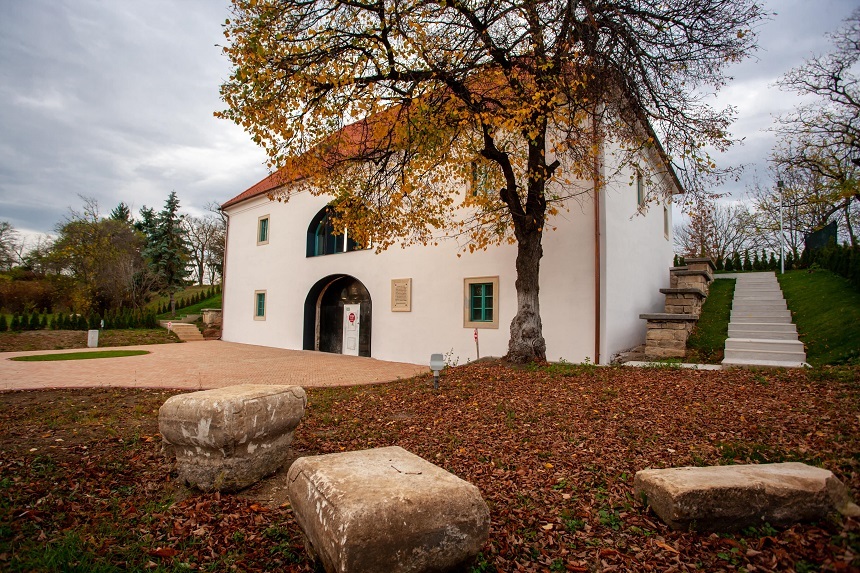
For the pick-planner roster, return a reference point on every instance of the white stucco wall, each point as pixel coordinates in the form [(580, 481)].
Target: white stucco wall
[(635, 257), (435, 323)]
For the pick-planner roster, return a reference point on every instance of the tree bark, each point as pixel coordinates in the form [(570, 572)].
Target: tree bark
[(527, 343)]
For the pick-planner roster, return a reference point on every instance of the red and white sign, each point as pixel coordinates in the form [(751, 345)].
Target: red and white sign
[(476, 334), (170, 326), (352, 317)]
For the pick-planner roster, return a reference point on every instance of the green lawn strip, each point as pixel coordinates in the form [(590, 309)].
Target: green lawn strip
[(211, 302), (79, 355), (708, 340), (826, 309), (156, 302)]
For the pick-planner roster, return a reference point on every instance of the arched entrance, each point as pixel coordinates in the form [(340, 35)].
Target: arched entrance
[(326, 323)]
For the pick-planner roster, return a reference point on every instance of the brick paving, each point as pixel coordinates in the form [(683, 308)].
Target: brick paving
[(200, 366)]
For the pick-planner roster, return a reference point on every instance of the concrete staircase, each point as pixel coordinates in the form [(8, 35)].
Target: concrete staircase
[(185, 331), (760, 329)]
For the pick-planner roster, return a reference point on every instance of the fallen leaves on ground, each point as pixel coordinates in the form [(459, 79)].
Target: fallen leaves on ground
[(553, 450)]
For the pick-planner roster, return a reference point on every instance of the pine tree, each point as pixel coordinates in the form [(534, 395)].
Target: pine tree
[(16, 323), (730, 265), (122, 213), (167, 249), (756, 264), (719, 263), (4, 325)]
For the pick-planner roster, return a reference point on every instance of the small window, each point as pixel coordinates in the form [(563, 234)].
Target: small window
[(260, 305), (263, 230), (640, 189), (482, 307)]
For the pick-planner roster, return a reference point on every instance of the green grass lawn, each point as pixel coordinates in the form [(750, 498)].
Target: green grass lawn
[(79, 355), (826, 309), (155, 303), (211, 302), (708, 340)]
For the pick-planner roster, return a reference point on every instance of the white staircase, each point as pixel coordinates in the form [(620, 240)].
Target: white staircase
[(760, 329)]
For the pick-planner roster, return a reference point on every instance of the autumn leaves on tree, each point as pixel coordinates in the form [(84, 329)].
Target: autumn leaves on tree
[(387, 105)]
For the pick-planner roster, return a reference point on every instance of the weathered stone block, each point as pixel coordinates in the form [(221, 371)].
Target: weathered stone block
[(386, 510), (725, 498), (229, 438)]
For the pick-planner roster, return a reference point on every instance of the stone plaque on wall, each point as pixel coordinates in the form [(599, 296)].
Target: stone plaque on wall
[(401, 295)]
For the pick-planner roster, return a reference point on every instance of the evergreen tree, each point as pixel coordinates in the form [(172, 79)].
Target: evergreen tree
[(747, 264), (167, 249), (772, 264), (756, 263), (729, 265), (4, 325), (16, 323), (122, 213), (719, 263), (43, 321)]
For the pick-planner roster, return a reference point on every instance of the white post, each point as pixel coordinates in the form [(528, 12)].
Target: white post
[(781, 234)]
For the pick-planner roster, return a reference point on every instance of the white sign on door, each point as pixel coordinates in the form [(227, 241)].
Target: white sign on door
[(351, 325)]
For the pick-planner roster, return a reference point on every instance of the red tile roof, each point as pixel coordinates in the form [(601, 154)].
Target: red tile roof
[(270, 183)]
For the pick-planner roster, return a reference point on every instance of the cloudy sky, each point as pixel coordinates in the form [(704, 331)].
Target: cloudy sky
[(113, 99)]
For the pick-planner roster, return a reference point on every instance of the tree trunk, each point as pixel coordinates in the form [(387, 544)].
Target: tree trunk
[(527, 343)]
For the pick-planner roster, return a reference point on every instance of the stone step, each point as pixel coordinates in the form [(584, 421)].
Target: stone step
[(743, 363), (771, 314), (764, 304), (764, 344), (763, 295), (732, 355), (761, 319), (765, 327), (761, 334), (187, 332)]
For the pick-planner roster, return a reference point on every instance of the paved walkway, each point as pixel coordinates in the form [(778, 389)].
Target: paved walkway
[(201, 365), (760, 330)]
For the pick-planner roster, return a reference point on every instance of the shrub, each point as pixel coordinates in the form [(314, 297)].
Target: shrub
[(4, 325)]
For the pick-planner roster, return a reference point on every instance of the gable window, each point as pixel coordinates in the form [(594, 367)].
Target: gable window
[(260, 305), (481, 304), (640, 189), (321, 237), (263, 230)]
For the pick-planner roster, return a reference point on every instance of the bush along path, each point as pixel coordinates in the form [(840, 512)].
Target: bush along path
[(553, 450)]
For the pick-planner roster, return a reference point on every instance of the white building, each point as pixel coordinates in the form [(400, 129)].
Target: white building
[(289, 283)]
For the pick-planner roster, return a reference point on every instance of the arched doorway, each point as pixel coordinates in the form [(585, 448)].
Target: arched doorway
[(325, 319)]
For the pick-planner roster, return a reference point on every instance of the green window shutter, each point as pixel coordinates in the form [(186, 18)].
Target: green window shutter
[(261, 304), (264, 231), (481, 302)]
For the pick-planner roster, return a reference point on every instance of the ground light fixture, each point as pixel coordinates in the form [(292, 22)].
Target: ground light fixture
[(437, 363)]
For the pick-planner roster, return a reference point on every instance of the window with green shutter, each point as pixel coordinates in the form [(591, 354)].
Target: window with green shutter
[(260, 305), (263, 230), (481, 302)]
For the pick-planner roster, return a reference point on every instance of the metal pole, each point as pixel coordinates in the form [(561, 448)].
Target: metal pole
[(781, 234)]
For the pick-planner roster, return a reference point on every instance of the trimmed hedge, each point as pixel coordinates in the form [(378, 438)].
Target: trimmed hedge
[(844, 260)]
